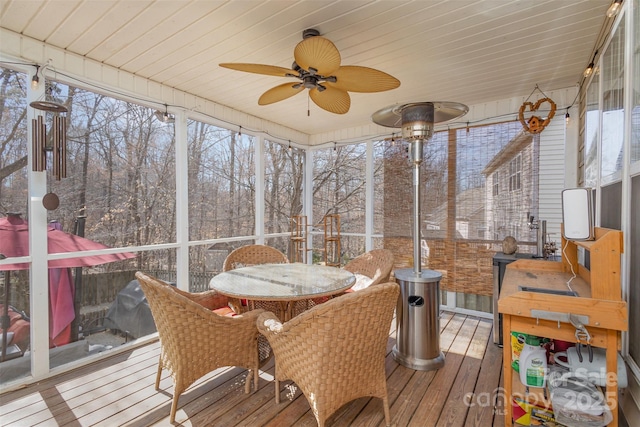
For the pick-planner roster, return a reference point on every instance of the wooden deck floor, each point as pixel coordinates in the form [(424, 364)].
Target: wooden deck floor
[(120, 391)]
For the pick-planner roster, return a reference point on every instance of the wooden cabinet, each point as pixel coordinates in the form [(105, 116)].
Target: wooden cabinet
[(599, 304)]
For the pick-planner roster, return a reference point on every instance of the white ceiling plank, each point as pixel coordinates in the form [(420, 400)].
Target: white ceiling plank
[(157, 33), (471, 51), (111, 21), (15, 15), (78, 22)]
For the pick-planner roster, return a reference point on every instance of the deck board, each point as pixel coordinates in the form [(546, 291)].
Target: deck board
[(120, 391)]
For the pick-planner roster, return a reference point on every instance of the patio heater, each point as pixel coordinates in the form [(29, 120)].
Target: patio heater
[(417, 314)]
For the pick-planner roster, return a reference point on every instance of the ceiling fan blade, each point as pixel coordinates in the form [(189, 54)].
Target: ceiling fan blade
[(353, 78), (278, 93), (269, 70), (317, 53), (331, 99)]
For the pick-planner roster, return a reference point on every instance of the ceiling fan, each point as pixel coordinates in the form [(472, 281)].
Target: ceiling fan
[(317, 67)]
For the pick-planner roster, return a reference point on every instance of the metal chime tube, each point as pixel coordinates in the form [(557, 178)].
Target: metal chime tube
[(63, 147), (42, 135), (34, 145), (56, 148)]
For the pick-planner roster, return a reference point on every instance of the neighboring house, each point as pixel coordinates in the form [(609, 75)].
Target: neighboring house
[(512, 189), (470, 217)]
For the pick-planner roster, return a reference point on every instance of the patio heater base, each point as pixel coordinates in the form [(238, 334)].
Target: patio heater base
[(418, 320), (418, 364)]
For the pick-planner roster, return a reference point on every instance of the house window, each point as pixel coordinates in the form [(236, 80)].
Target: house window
[(496, 188), (515, 171)]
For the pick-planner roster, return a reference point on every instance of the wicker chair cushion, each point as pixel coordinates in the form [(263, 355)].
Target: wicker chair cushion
[(225, 311), (376, 264), (362, 282)]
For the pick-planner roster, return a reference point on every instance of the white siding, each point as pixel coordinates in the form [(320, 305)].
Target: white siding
[(551, 184)]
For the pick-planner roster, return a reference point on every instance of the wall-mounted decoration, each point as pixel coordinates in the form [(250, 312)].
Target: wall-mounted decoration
[(536, 124)]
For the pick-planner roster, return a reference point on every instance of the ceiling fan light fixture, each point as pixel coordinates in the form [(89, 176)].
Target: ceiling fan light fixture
[(310, 82)]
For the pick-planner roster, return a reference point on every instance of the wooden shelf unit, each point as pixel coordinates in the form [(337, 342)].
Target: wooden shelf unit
[(331, 244), (298, 226), (604, 273), (332, 240), (599, 301)]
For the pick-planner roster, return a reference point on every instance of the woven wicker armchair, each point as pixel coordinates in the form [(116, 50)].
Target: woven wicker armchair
[(249, 255), (252, 255), (195, 340), (335, 352), (375, 264)]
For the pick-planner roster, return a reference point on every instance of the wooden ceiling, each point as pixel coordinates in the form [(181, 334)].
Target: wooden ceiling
[(467, 51)]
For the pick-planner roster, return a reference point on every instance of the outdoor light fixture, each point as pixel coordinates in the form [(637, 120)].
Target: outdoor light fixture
[(165, 117), (567, 116), (589, 70), (35, 79), (614, 9)]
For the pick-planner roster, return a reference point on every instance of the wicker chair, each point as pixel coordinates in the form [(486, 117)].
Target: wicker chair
[(248, 255), (335, 352), (375, 264), (252, 255), (195, 340)]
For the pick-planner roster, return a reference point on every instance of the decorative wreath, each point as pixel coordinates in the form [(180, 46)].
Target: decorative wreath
[(536, 124)]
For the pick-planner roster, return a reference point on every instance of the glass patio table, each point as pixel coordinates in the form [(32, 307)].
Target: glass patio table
[(283, 283)]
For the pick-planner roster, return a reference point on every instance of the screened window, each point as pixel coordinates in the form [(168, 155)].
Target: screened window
[(14, 198), (221, 182), (282, 186), (613, 107), (339, 188), (462, 209), (121, 169), (591, 134)]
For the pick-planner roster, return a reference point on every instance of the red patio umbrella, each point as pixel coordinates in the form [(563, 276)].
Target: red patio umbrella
[(14, 242)]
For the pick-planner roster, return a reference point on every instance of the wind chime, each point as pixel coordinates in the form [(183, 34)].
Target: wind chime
[(55, 141)]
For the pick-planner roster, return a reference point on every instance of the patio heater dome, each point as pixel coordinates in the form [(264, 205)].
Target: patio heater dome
[(417, 120)]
